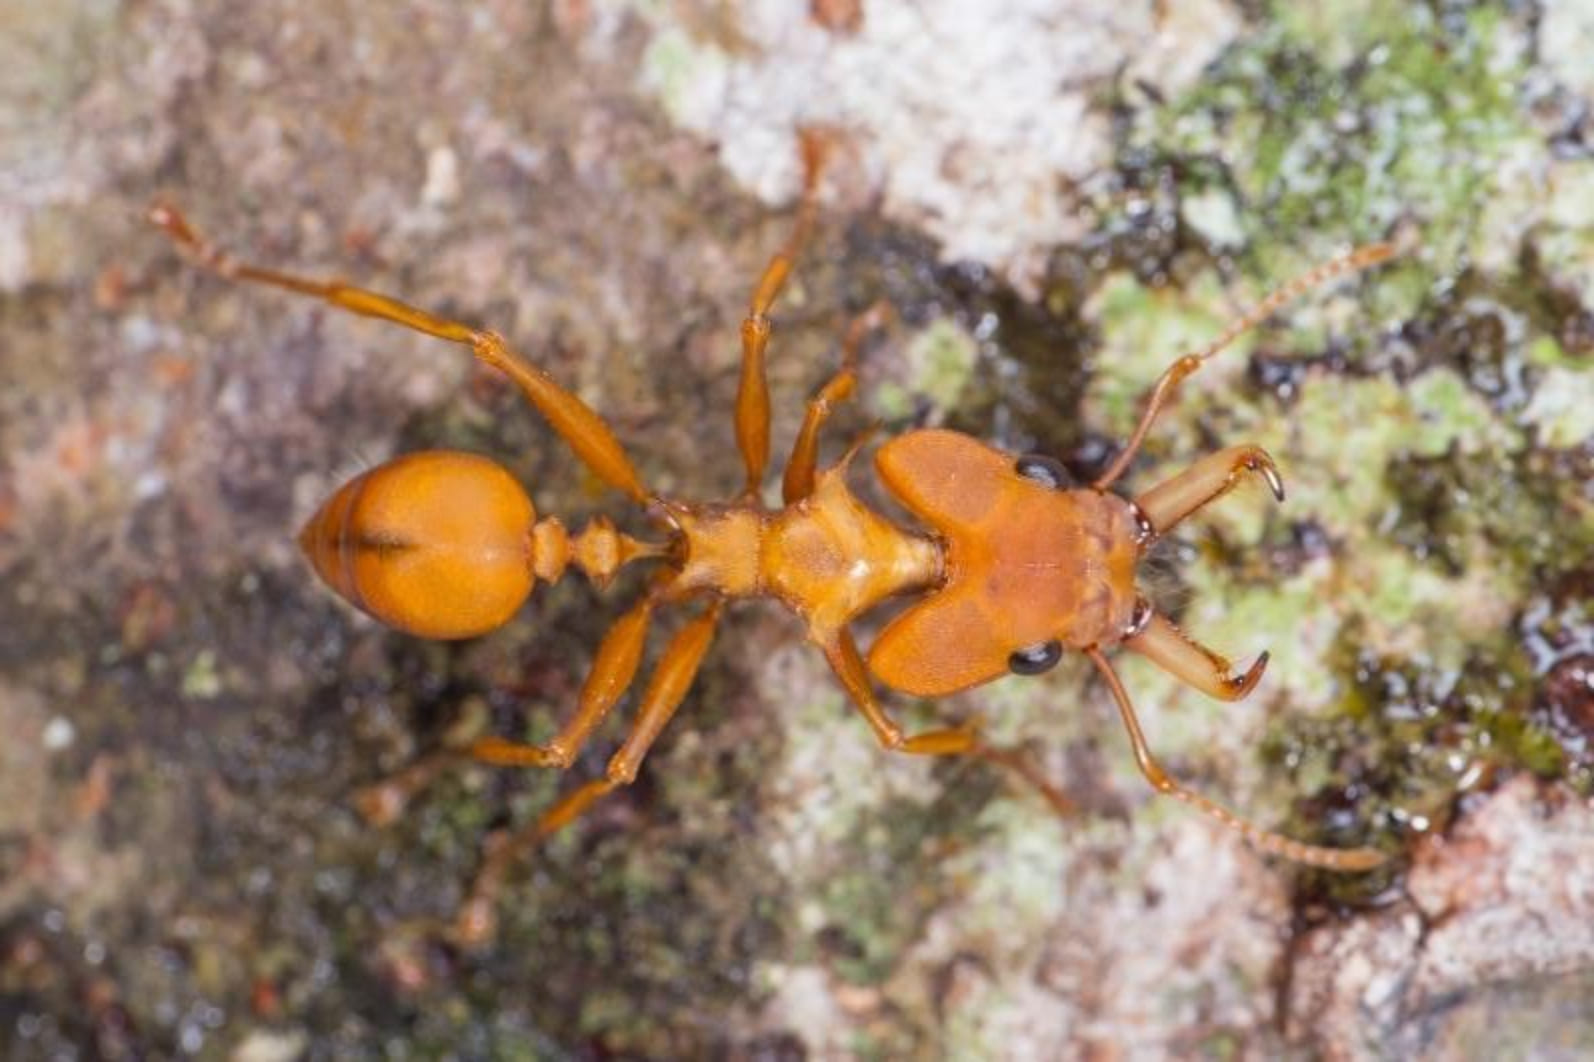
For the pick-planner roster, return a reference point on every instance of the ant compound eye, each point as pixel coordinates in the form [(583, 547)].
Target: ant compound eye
[(1047, 471), (1035, 659)]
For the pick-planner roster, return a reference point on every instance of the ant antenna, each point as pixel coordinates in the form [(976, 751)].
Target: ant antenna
[(1359, 259)]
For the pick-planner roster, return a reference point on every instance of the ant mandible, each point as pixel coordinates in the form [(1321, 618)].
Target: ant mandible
[(1014, 566)]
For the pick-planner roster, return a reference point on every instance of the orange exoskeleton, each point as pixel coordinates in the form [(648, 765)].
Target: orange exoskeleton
[(1012, 565)]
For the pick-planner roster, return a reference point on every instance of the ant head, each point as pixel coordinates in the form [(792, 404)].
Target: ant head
[(1031, 567), (437, 544)]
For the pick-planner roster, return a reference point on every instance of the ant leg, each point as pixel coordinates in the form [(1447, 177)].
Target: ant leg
[(798, 481), (1175, 374), (842, 652), (1348, 859), (585, 432), (673, 676), (1194, 664), (752, 393), (612, 671), (1203, 483), (1019, 762), (382, 802)]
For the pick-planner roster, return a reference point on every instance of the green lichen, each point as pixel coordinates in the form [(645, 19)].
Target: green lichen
[(675, 65), (1340, 33), (202, 679), (874, 907), (1563, 407), (1506, 511), (1404, 739), (938, 362), (1440, 466), (1566, 240), (1143, 330), (1365, 121), (1013, 873), (1545, 352)]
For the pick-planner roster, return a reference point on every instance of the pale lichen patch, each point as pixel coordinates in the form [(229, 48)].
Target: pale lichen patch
[(971, 121)]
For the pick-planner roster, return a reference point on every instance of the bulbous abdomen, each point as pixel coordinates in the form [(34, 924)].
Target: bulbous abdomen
[(437, 544)]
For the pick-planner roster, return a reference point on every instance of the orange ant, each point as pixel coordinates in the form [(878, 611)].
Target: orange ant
[(1015, 565)]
